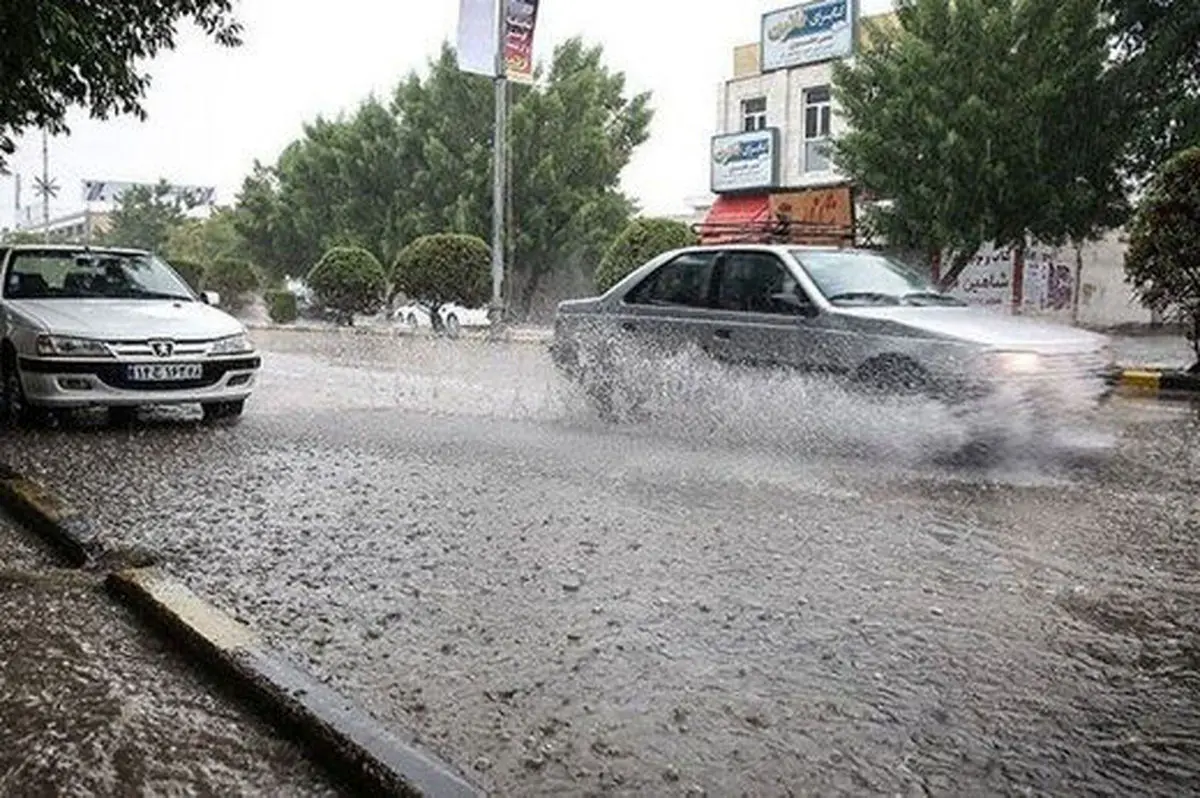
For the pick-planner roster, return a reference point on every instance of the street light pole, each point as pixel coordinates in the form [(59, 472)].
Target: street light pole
[(46, 186), (499, 162)]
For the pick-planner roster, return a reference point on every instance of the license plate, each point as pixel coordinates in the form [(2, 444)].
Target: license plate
[(165, 372)]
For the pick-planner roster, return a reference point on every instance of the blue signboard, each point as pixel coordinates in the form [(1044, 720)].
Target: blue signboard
[(808, 33)]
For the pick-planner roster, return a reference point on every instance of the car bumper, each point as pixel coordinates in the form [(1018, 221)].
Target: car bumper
[(66, 384)]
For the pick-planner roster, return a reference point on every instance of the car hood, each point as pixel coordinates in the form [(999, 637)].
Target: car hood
[(985, 328), (127, 319)]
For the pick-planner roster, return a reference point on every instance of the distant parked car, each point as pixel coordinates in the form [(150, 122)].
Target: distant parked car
[(846, 312), (454, 317), (114, 328)]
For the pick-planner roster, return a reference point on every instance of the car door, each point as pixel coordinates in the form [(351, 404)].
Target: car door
[(670, 310), (764, 316)]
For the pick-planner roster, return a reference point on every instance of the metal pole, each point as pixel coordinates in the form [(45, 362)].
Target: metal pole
[(499, 144), (45, 187)]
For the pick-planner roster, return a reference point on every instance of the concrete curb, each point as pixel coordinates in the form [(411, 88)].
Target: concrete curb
[(51, 517), (1158, 382), (359, 749), (352, 745)]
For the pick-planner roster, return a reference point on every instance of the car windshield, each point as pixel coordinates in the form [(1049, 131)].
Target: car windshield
[(66, 274), (849, 277)]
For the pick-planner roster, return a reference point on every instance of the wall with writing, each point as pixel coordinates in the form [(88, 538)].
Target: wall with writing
[(1051, 273)]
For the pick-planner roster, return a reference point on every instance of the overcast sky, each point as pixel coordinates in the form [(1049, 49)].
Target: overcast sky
[(213, 111)]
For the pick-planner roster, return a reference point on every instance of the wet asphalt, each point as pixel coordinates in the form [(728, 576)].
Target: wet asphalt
[(93, 704), (767, 588)]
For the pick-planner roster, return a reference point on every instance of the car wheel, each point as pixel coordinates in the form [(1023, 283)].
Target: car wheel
[(453, 327), (17, 410), (221, 411)]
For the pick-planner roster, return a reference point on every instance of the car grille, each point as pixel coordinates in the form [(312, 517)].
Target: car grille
[(114, 374)]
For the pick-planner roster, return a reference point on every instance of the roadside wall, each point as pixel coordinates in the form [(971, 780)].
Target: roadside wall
[(1052, 274)]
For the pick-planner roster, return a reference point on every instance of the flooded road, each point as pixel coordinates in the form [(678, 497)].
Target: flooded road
[(783, 595)]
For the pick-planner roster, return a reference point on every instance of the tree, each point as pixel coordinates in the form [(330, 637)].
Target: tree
[(436, 270), (207, 240), (985, 121), (1163, 260), (346, 281), (232, 278), (640, 241), (1157, 54), (269, 228), (191, 272), (60, 53), (145, 218), (386, 176)]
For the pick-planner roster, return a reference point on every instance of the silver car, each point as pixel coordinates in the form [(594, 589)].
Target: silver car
[(854, 313)]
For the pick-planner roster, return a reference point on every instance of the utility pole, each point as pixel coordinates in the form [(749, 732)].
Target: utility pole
[(46, 187), (499, 164)]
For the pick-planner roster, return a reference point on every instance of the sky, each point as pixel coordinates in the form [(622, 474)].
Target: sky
[(213, 111)]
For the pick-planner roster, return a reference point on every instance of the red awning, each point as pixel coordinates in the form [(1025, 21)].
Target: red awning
[(732, 216)]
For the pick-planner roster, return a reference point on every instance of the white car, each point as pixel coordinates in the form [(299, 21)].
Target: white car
[(454, 317), (116, 328)]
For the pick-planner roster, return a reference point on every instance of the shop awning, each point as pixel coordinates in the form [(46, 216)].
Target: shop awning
[(733, 216)]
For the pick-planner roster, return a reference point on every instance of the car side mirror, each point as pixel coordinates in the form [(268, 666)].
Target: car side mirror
[(800, 304), (210, 298)]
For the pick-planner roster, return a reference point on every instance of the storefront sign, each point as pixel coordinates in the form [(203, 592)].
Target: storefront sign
[(825, 209), (807, 33), (745, 161)]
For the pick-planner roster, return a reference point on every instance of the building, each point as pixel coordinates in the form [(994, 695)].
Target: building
[(79, 226), (776, 121), (772, 173)]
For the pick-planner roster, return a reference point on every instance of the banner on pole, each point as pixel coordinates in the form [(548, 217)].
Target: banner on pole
[(519, 24), (113, 190), (477, 31)]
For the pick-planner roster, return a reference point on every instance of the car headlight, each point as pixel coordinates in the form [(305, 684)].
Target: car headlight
[(1015, 362), (66, 346), (233, 345)]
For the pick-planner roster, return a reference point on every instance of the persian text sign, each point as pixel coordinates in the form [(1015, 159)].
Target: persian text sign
[(826, 209), (519, 24), (745, 161), (808, 33)]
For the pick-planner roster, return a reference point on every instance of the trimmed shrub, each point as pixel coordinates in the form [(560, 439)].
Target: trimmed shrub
[(233, 279), (346, 281), (191, 272), (282, 307), (435, 270), (641, 240)]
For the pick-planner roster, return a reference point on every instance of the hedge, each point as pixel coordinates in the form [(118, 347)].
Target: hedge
[(642, 240), (346, 281)]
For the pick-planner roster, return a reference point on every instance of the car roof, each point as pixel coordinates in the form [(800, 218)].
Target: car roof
[(74, 248)]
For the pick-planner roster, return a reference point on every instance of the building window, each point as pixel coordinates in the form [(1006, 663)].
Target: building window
[(754, 113), (817, 110)]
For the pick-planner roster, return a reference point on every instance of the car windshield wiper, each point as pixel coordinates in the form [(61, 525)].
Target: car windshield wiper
[(931, 297), (865, 296)]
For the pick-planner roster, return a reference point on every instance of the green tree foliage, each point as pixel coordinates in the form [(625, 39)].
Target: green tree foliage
[(385, 176), (438, 269), (1157, 53), (191, 272), (985, 121), (207, 240), (282, 307), (1163, 261), (640, 241), (145, 218), (61, 53), (234, 279), (346, 281)]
